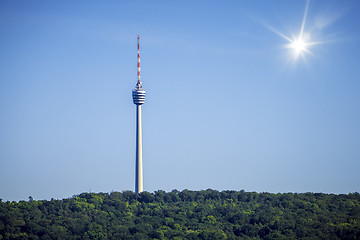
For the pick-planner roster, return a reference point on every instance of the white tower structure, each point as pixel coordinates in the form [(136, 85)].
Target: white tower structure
[(138, 95)]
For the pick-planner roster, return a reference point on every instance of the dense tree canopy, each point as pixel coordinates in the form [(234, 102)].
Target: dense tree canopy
[(207, 214)]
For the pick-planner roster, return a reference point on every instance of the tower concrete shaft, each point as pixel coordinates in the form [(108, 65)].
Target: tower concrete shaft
[(139, 168)]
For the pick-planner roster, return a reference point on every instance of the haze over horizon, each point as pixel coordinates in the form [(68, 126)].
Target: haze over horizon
[(234, 99)]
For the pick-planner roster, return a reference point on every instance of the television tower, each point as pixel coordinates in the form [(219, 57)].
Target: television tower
[(138, 95)]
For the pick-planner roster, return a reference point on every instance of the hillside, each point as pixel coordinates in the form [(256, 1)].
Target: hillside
[(207, 214)]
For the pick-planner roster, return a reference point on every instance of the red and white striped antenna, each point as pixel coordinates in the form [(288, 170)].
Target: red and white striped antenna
[(138, 57)]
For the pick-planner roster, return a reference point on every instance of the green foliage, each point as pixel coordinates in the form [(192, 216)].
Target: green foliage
[(206, 214)]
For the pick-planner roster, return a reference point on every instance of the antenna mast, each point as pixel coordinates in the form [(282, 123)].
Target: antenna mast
[(138, 63)]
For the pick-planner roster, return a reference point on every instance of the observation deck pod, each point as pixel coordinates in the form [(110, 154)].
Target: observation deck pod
[(138, 95)]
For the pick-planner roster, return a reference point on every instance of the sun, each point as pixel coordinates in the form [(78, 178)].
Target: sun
[(299, 46)]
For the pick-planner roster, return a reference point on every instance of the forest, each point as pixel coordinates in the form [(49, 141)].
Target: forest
[(206, 214)]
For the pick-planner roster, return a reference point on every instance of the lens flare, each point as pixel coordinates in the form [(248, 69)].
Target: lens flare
[(300, 44)]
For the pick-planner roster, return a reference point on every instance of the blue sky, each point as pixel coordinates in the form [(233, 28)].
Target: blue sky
[(228, 106)]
